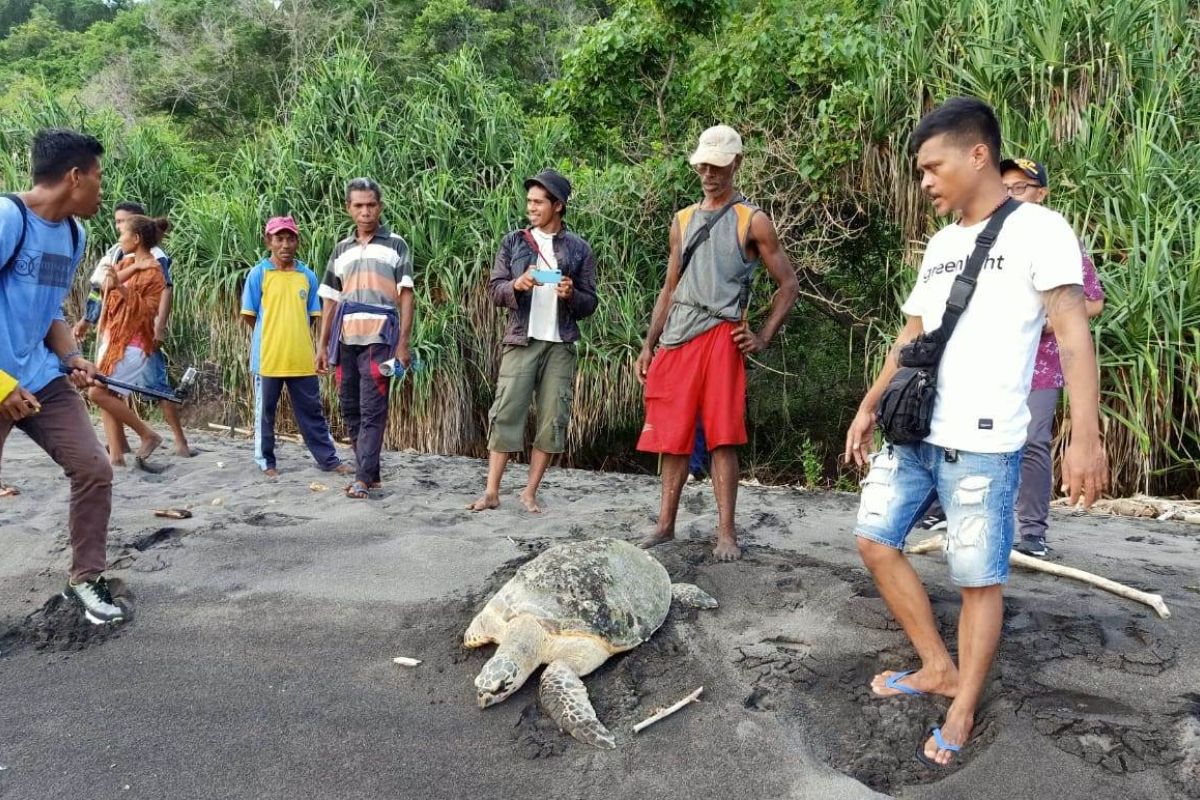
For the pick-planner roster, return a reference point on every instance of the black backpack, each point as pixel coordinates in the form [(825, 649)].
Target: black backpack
[(20, 204)]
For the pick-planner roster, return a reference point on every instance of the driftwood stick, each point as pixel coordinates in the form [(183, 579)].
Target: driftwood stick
[(666, 712), (1155, 601), (286, 437), (213, 426)]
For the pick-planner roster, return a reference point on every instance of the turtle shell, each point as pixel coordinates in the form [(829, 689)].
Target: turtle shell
[(605, 588)]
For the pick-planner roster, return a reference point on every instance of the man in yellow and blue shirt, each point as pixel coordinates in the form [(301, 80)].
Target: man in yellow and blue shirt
[(280, 302)]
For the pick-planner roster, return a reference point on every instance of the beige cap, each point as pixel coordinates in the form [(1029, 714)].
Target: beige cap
[(719, 146)]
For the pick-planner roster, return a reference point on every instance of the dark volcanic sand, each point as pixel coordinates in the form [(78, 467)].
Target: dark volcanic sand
[(258, 661)]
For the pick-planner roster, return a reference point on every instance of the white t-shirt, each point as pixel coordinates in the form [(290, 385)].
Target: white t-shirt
[(543, 306), (985, 373)]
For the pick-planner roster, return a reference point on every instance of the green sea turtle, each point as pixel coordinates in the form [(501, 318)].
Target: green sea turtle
[(571, 608)]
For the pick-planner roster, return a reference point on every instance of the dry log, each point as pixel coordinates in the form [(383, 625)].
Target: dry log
[(1155, 601)]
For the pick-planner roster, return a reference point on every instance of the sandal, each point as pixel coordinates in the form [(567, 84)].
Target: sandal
[(357, 491), (893, 682), (942, 744)]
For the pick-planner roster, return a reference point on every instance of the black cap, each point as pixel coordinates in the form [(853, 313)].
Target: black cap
[(1032, 169), (555, 185)]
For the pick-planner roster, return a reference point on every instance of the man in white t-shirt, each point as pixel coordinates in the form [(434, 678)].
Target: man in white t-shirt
[(971, 459), (546, 276)]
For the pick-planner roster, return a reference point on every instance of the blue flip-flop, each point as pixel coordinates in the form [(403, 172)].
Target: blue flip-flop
[(936, 732), (894, 683)]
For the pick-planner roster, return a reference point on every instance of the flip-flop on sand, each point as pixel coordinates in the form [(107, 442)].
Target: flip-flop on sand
[(357, 491), (894, 683), (146, 466), (936, 733), (173, 513)]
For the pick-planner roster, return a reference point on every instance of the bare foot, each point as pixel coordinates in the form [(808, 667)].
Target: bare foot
[(343, 469), (954, 731), (8, 491), (271, 473), (727, 549), (926, 681), (117, 462), (183, 451), (485, 503), (149, 445), (530, 502), (656, 538)]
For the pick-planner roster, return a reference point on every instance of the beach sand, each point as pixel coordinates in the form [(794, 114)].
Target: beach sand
[(258, 659)]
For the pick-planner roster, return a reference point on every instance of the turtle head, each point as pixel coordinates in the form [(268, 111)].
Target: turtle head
[(519, 654), (500, 677)]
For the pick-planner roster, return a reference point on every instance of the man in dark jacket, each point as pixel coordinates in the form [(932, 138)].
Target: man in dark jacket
[(546, 276)]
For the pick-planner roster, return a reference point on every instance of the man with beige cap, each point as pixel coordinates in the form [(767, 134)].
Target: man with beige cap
[(693, 361)]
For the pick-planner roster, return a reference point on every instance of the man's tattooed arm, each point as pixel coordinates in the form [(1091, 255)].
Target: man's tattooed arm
[(1085, 469)]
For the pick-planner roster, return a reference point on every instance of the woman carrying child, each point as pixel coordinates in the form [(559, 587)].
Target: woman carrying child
[(131, 292)]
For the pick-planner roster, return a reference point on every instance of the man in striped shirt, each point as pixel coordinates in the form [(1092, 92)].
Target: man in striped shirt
[(368, 311)]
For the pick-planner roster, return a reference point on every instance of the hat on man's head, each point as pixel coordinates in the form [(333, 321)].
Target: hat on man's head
[(719, 146), (1032, 169), (555, 185), (277, 224)]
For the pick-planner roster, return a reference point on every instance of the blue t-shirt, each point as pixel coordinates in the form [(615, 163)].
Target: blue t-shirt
[(32, 292)]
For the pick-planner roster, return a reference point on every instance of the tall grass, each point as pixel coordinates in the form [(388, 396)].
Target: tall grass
[(1105, 94), (1102, 93)]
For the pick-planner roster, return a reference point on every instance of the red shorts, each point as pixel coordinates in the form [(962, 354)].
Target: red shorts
[(702, 379)]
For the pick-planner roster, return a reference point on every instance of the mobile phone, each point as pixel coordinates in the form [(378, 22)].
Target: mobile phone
[(547, 276)]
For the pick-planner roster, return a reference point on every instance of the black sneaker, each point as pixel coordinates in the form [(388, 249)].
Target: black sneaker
[(933, 522), (96, 600), (1032, 546)]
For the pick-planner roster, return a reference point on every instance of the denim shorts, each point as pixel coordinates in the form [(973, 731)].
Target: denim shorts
[(977, 490), (155, 375)]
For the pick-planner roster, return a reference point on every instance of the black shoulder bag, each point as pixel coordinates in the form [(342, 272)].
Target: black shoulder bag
[(906, 409)]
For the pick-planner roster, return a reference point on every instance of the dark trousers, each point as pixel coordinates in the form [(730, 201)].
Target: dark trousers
[(363, 394), (305, 394), (698, 463), (62, 428)]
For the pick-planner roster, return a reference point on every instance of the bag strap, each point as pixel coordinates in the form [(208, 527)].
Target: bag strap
[(702, 235), (16, 200), (964, 283), (529, 240), (20, 204)]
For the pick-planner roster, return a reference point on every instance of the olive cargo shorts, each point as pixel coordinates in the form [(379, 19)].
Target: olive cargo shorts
[(542, 373)]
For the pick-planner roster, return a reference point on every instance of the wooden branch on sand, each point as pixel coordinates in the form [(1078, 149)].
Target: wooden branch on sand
[(286, 437), (1155, 601), (666, 712), (1142, 505)]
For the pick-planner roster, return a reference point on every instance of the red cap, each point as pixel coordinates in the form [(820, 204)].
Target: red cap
[(277, 224)]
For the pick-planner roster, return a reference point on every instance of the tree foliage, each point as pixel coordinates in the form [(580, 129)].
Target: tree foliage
[(222, 113)]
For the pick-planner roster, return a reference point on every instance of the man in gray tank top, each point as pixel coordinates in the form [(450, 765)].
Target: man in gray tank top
[(693, 361)]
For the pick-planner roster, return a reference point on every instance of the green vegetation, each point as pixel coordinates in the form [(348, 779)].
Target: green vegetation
[(221, 114)]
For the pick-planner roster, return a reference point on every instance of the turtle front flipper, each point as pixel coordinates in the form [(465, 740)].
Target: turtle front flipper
[(564, 697), (692, 596), (484, 629)]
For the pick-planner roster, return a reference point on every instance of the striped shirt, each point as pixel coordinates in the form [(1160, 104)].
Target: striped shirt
[(373, 274)]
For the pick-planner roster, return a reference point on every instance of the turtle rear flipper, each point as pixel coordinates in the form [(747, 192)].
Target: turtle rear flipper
[(692, 596), (564, 697)]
